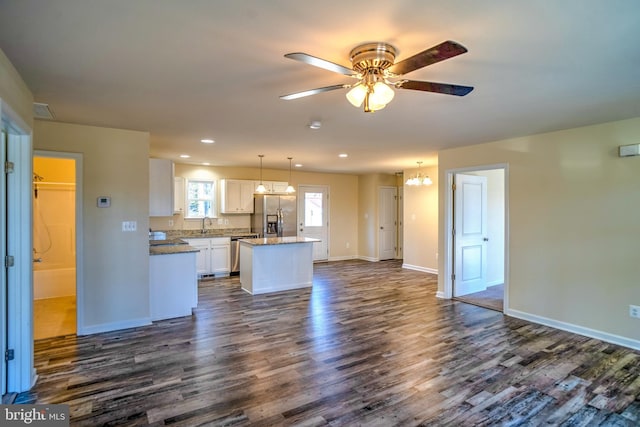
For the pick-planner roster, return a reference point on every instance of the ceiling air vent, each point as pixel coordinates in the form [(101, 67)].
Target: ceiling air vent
[(42, 111)]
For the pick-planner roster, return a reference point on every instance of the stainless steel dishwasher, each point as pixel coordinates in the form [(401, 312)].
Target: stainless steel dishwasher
[(235, 252)]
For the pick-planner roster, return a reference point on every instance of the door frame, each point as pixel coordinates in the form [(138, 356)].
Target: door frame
[(20, 372), (395, 219), (449, 221), (77, 157), (327, 211)]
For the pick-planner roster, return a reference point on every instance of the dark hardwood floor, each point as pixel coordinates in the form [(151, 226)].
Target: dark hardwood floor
[(370, 345)]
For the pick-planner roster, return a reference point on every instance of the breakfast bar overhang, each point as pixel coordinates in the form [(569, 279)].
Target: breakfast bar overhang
[(276, 264)]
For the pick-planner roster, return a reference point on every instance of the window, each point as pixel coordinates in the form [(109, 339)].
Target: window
[(313, 209), (200, 199)]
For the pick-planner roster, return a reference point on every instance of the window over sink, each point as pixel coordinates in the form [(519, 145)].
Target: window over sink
[(200, 201)]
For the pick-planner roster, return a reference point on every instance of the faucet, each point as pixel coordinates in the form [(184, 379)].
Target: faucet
[(204, 230)]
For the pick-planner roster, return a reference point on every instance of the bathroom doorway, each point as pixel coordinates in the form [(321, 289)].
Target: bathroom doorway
[(54, 246)]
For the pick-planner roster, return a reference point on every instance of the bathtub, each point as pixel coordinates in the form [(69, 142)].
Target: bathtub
[(52, 283)]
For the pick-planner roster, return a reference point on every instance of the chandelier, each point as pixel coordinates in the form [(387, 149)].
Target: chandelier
[(419, 179)]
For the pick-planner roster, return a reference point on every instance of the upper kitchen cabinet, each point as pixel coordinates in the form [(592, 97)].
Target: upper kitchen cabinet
[(272, 187), (178, 195), (160, 187), (236, 196)]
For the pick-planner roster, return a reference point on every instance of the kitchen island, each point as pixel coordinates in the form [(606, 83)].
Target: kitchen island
[(173, 283), (275, 264)]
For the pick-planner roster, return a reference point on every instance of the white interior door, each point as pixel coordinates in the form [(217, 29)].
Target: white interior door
[(470, 225), (387, 222), (313, 218)]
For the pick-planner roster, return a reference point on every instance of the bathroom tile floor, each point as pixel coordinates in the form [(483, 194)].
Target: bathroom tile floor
[(53, 317)]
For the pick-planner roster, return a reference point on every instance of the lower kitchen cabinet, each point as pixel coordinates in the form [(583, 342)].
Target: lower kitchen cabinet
[(173, 285), (214, 256)]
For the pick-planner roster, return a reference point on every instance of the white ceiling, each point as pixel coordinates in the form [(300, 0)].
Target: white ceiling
[(186, 70)]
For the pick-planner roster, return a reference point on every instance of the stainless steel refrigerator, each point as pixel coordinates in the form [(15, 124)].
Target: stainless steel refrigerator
[(274, 215)]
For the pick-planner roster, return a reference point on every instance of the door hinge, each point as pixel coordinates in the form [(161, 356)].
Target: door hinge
[(453, 277), (8, 167), (453, 187), (9, 261), (9, 354)]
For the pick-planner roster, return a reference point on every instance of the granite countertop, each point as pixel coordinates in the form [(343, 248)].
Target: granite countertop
[(167, 242), (209, 233), (278, 240), (171, 249)]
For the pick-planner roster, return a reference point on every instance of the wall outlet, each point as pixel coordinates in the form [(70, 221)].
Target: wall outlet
[(348, 245), (170, 223), (634, 311)]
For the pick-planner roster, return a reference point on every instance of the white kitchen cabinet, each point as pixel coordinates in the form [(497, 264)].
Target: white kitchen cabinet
[(160, 187), (236, 196), (178, 195), (173, 285), (214, 257), (220, 255), (203, 258), (272, 187), (279, 187)]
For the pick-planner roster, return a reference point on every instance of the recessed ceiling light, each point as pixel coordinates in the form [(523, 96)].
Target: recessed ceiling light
[(343, 155), (206, 164), (298, 165), (184, 156), (316, 124), (207, 141)]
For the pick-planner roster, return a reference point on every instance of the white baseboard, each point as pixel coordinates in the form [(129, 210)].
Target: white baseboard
[(115, 326), (419, 268), (368, 258), (580, 330), (440, 295), (342, 258)]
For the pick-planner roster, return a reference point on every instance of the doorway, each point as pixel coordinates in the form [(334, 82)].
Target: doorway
[(313, 218), (387, 222), (54, 245), (476, 208)]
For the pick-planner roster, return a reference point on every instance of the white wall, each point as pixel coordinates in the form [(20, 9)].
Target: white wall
[(115, 264), (421, 222), (573, 226)]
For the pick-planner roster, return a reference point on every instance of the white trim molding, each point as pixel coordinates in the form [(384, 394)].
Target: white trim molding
[(368, 258), (114, 326), (419, 268), (580, 330)]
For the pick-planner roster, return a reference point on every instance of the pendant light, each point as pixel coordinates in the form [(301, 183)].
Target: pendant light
[(290, 188), (260, 188), (419, 179)]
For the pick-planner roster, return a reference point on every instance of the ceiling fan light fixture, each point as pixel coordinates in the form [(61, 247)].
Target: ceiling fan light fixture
[(357, 94), (382, 94)]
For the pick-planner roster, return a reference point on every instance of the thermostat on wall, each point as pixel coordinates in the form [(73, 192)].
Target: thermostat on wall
[(104, 201)]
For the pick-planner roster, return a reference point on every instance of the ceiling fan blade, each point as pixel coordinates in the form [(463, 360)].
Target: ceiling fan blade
[(444, 88), (444, 50), (322, 63), (313, 92)]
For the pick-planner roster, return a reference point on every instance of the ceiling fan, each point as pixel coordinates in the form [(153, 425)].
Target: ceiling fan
[(372, 64)]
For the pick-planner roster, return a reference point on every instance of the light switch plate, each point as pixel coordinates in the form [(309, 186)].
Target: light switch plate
[(129, 225)]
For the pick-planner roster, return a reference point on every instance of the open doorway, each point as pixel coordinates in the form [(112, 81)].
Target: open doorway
[(54, 246), (476, 214)]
